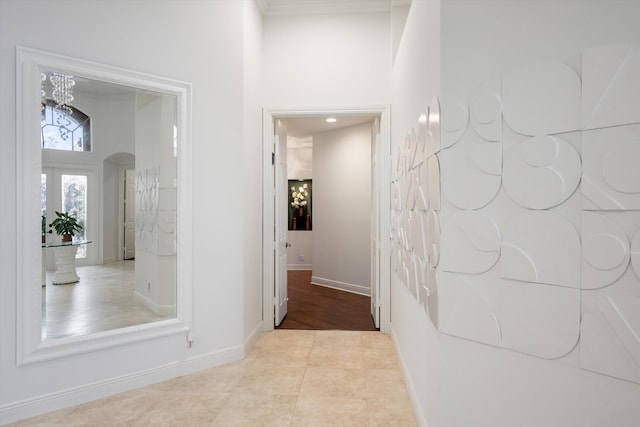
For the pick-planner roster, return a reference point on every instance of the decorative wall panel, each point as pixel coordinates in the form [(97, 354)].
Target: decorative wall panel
[(610, 90), (415, 202), (486, 111), (635, 253), (156, 214), (541, 247), (499, 312), (470, 243), (520, 226), (455, 119), (611, 176), (542, 99), (605, 250), (465, 183), (541, 172), (609, 339)]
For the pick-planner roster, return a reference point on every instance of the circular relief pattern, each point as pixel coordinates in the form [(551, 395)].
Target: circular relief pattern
[(605, 250), (620, 167), (454, 122), (635, 253), (541, 172)]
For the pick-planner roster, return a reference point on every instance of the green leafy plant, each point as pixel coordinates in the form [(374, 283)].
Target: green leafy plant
[(66, 225)]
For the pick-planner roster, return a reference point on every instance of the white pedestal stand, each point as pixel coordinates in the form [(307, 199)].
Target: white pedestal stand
[(66, 265)]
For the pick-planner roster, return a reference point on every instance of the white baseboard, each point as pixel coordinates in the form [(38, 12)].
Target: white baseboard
[(75, 396), (160, 310), (342, 286), (109, 260), (253, 337), (299, 267), (421, 420)]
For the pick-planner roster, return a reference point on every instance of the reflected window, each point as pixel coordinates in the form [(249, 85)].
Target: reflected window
[(74, 202), (66, 193), (65, 130)]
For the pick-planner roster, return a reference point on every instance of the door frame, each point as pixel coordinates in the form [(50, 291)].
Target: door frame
[(268, 195), (122, 200), (94, 205)]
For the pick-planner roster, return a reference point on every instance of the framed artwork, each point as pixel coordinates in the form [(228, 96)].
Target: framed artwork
[(300, 204)]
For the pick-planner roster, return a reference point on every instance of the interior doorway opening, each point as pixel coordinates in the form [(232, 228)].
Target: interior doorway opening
[(280, 126)]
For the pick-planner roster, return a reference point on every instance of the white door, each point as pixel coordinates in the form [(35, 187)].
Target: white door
[(72, 191), (375, 224), (130, 214), (281, 216)]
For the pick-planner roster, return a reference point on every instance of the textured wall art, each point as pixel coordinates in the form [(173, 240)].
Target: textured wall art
[(541, 99), (415, 205), (520, 226), (541, 172), (156, 214), (605, 250), (611, 176), (610, 87), (470, 243), (610, 332), (541, 247)]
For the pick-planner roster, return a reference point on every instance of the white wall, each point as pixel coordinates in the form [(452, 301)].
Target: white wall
[(299, 157), (300, 253), (252, 171), (122, 34), (342, 209), (519, 384), (327, 60)]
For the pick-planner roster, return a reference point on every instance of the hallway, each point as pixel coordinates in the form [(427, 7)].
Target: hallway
[(314, 307), (291, 378)]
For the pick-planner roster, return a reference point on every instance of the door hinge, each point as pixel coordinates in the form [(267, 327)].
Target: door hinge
[(273, 158)]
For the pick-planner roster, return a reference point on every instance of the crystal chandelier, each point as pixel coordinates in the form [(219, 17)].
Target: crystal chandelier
[(62, 90), (62, 95)]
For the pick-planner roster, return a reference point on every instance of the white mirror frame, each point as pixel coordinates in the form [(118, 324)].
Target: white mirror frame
[(30, 348)]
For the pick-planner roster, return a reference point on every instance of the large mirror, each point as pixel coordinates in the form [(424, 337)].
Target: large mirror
[(106, 149)]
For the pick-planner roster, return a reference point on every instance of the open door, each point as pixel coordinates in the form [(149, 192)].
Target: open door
[(274, 214), (281, 215), (375, 224), (130, 214)]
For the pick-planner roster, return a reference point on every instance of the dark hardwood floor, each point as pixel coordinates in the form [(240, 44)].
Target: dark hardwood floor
[(317, 307)]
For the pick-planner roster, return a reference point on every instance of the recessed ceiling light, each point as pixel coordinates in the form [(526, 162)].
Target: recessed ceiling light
[(331, 120)]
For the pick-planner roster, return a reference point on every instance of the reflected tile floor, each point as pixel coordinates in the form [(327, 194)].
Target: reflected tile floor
[(291, 378), (102, 300)]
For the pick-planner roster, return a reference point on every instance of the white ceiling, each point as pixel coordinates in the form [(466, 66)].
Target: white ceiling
[(301, 127), (306, 7)]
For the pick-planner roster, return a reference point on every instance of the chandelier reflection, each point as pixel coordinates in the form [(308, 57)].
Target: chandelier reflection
[(61, 90)]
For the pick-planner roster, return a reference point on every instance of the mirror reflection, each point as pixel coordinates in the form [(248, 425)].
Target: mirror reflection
[(109, 205)]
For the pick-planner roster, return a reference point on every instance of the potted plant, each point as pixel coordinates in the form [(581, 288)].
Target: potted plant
[(66, 225)]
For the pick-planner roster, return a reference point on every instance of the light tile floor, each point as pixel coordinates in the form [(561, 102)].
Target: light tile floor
[(102, 300), (291, 378)]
